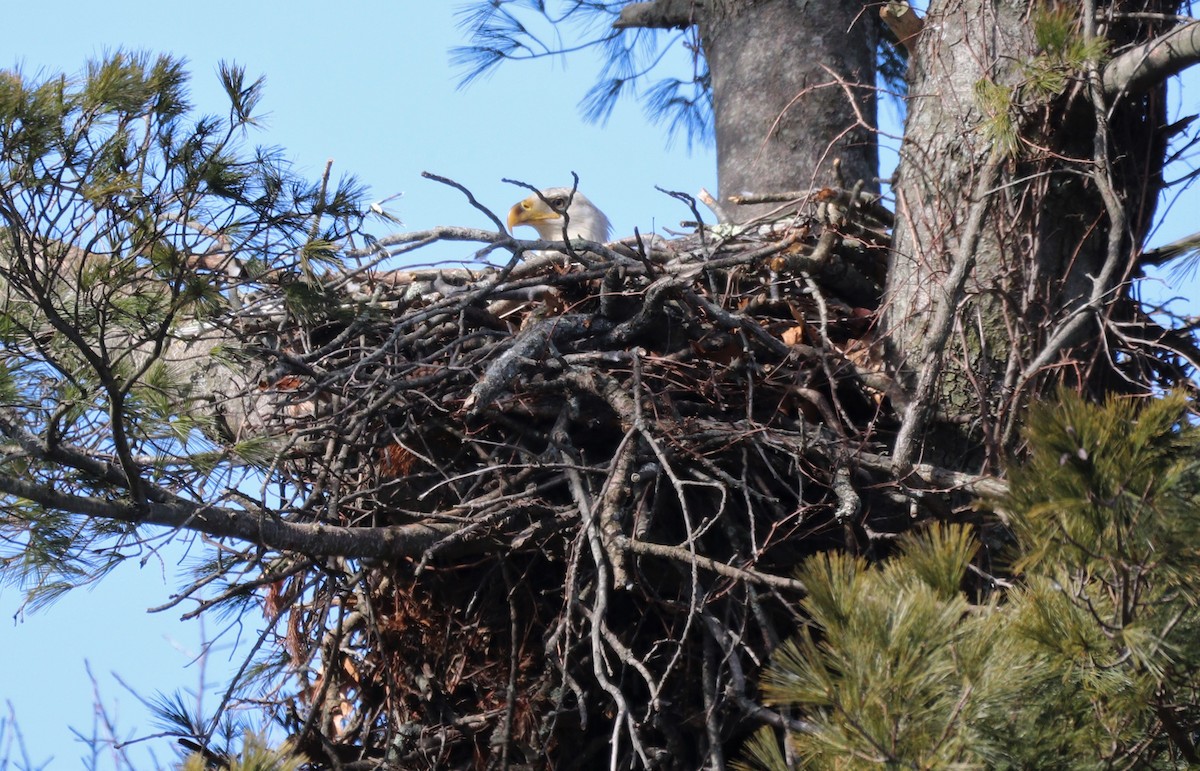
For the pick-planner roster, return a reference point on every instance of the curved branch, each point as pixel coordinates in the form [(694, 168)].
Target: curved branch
[(689, 557), (1144, 66), (266, 531)]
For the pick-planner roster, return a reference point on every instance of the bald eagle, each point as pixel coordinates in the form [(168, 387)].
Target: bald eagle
[(583, 219)]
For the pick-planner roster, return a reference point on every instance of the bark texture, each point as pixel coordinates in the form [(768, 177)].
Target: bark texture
[(938, 183), (793, 92), (1064, 198)]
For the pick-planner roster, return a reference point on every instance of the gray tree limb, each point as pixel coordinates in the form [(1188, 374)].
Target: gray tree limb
[(1152, 62), (161, 507), (260, 529)]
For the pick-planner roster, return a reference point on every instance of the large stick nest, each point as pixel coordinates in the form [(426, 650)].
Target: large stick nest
[(628, 447)]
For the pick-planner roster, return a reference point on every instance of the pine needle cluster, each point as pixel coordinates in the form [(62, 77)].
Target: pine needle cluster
[(1089, 659), (120, 213), (1063, 56)]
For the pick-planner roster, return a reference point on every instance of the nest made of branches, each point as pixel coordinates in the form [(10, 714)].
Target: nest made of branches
[(626, 448)]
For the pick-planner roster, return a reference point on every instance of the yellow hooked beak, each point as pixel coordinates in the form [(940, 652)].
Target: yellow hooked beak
[(530, 212)]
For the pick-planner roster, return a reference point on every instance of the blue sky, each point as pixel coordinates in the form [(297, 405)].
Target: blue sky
[(370, 86)]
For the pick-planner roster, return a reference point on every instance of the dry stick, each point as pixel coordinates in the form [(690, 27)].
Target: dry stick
[(318, 701), (504, 730), (587, 508), (639, 425), (306, 271), (708, 688), (233, 591), (816, 440), (470, 198), (826, 348), (563, 630), (599, 610), (932, 353), (609, 503), (737, 689), (692, 559), (640, 253), (629, 410), (1189, 356), (786, 196), (691, 203), (626, 655), (849, 503), (214, 722)]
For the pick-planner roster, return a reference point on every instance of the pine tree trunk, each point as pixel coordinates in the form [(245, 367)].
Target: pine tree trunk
[(782, 116), (1025, 223)]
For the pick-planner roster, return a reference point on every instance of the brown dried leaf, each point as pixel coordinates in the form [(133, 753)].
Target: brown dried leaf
[(794, 335)]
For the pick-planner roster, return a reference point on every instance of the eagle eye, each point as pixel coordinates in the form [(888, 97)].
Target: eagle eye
[(558, 203)]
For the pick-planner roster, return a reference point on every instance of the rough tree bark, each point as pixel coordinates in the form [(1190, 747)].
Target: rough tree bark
[(1018, 214), (793, 91), (792, 86)]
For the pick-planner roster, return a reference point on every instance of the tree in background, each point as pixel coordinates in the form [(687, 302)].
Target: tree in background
[(788, 94), (548, 513)]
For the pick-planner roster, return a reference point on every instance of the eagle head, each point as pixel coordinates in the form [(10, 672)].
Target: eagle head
[(583, 219)]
